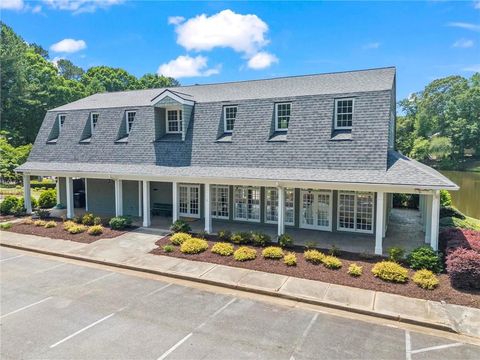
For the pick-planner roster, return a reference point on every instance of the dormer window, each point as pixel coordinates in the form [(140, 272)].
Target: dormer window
[(130, 118), (61, 121), (229, 116), (282, 116), (174, 121), (343, 114), (93, 121)]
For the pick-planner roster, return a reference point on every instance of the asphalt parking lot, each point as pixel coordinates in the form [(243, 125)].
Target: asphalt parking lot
[(55, 309)]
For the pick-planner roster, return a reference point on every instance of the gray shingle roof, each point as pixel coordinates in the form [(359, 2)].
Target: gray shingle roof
[(331, 83)]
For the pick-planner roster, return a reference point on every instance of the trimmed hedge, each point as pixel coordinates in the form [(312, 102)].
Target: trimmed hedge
[(245, 253), (463, 266), (95, 230), (120, 222), (390, 271), (331, 262), (355, 270), (47, 199), (425, 279), (273, 252), (424, 257), (179, 238), (290, 259), (222, 248), (180, 226), (313, 256), (194, 246)]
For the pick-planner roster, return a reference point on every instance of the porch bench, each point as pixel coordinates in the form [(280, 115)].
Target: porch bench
[(159, 209)]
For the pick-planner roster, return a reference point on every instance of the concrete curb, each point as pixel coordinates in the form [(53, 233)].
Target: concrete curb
[(408, 320)]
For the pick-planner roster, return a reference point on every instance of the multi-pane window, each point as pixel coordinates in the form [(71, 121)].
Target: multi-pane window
[(93, 121), (174, 121), (220, 203), (282, 116), (271, 206), (355, 211), (189, 200), (343, 113), (61, 121), (246, 203), (229, 116), (315, 209), (130, 118)]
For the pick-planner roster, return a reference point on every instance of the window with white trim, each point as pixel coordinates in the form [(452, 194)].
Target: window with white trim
[(355, 211), (282, 116), (130, 118), (229, 116), (61, 121), (246, 203), (343, 113), (220, 201), (174, 121), (93, 121), (271, 206), (189, 200)]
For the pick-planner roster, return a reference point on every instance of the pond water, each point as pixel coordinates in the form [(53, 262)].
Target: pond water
[(467, 199)]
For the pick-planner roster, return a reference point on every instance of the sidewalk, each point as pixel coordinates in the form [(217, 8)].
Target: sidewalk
[(131, 250)]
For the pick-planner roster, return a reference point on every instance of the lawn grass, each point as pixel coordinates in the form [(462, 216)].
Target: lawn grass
[(467, 223)]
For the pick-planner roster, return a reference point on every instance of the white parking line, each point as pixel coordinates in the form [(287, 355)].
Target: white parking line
[(25, 307), (169, 351), (408, 346), (81, 330), (97, 279), (50, 268), (11, 258), (300, 342), (157, 290), (439, 347)]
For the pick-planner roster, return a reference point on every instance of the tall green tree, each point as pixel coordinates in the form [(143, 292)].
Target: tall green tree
[(104, 78), (153, 81), (68, 70)]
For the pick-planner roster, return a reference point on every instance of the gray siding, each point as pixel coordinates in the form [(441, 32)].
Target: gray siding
[(160, 192), (130, 197), (101, 196), (63, 191)]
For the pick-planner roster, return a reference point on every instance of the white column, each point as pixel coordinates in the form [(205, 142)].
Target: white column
[(421, 208), (57, 188), (146, 204), (379, 224), (428, 218), (281, 210), (174, 201), (27, 196), (86, 195), (140, 199), (435, 220), (208, 209), (385, 215), (118, 198), (69, 188)]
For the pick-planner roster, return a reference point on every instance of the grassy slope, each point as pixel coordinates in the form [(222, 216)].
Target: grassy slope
[(468, 223)]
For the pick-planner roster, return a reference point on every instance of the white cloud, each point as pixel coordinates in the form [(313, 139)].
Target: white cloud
[(36, 9), (11, 4), (464, 25), (55, 60), (81, 6), (187, 66), (242, 33), (472, 68), (463, 43), (372, 45), (262, 60), (175, 20), (68, 46)]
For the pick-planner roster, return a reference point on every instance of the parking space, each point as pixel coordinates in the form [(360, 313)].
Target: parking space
[(58, 310)]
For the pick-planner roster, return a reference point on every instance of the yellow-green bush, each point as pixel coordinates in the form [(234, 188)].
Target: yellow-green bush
[(68, 224), (290, 259), (39, 223), (179, 238), (244, 253), (272, 252), (331, 262), (426, 279), (28, 221), (77, 229), (50, 224), (194, 246), (355, 270), (222, 248), (390, 271), (95, 230), (313, 256)]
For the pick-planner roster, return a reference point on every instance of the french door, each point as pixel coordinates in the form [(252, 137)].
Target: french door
[(316, 210), (189, 200)]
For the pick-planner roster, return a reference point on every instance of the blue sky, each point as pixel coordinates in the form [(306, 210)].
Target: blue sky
[(250, 40)]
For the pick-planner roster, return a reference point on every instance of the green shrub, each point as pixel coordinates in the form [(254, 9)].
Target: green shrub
[(95, 230), (202, 234), (50, 224), (425, 279), (193, 246), (120, 222), (445, 198), (285, 240), (97, 220), (273, 252), (77, 229), (224, 235), (68, 224), (8, 204), (260, 239), (447, 211), (33, 201), (47, 199), (396, 253), (179, 238), (42, 214), (39, 223), (313, 256), (168, 248), (290, 259), (331, 262), (242, 237), (355, 270), (180, 226), (222, 248), (19, 210), (334, 251), (88, 219), (5, 226), (309, 245), (77, 219), (424, 257), (390, 271), (245, 253)]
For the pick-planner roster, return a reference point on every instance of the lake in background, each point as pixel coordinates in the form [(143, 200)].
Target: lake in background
[(467, 199)]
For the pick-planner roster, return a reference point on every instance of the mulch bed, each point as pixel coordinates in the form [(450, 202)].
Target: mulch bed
[(59, 233), (444, 292)]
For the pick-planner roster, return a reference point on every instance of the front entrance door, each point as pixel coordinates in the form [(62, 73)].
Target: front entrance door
[(316, 210), (189, 200)]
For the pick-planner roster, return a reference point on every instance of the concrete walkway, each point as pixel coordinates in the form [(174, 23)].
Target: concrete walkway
[(131, 250)]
